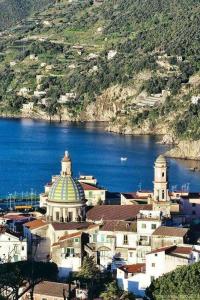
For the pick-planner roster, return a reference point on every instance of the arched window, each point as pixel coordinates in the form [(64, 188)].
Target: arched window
[(163, 174), (163, 194)]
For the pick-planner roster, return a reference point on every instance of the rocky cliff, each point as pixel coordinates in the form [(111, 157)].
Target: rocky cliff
[(185, 150)]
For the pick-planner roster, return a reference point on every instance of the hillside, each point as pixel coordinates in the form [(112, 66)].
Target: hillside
[(13, 11), (132, 63)]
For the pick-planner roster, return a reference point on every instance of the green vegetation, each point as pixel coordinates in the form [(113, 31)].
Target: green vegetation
[(112, 292), (13, 11), (20, 277), (84, 49), (181, 284)]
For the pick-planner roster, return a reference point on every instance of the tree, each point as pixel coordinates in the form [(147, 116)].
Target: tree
[(89, 274), (18, 278), (112, 292), (89, 269), (180, 284)]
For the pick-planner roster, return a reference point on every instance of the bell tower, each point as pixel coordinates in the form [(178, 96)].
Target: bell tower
[(161, 193), (66, 165)]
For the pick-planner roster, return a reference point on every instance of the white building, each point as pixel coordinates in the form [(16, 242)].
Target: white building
[(94, 195), (88, 179), (147, 222), (159, 262), (12, 246), (28, 107), (195, 99), (114, 244), (68, 97)]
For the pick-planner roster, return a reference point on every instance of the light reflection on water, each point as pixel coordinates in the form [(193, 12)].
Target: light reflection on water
[(30, 152)]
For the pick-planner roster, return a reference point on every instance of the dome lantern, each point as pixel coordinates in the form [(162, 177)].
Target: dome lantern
[(66, 165)]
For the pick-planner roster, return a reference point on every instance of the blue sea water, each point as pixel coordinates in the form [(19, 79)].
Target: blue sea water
[(30, 152)]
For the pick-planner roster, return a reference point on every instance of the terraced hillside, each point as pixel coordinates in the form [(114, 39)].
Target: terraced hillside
[(12, 11), (133, 63)]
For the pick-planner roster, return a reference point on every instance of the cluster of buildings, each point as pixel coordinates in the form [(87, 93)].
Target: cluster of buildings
[(146, 235)]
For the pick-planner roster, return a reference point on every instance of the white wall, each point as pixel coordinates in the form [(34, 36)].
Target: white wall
[(12, 249)]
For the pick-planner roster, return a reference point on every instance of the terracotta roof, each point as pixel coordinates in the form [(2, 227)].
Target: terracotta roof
[(36, 224), (136, 268), (70, 225), (174, 250), (181, 250), (89, 187), (53, 289), (116, 212), (161, 249), (119, 226), (67, 237), (170, 231)]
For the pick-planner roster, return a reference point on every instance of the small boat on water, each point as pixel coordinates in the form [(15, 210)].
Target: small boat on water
[(123, 158)]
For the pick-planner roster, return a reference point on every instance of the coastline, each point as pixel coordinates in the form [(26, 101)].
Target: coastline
[(183, 150)]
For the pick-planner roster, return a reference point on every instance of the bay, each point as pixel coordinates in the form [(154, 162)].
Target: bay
[(30, 153)]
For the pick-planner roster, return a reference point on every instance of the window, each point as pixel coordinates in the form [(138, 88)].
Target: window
[(94, 238), (153, 265), (193, 204), (70, 216), (125, 239), (144, 226), (76, 240), (69, 252), (22, 248), (163, 174), (131, 254), (194, 212), (163, 194), (153, 226), (102, 238), (57, 216), (156, 254), (103, 253)]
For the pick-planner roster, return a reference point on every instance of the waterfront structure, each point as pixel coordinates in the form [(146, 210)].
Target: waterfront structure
[(13, 247)]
